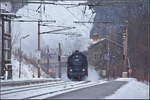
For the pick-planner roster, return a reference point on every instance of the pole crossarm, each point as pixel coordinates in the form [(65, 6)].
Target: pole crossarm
[(68, 28), (89, 22), (92, 22), (34, 21), (65, 33), (55, 26)]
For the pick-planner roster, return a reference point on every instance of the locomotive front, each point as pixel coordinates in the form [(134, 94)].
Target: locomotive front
[(77, 67)]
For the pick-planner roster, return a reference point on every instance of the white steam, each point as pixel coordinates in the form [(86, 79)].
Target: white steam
[(92, 74)]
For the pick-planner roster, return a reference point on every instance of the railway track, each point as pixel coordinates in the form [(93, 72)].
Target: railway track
[(43, 90), (26, 88), (57, 92), (70, 86), (11, 92)]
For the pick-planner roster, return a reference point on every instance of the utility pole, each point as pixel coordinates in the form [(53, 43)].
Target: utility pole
[(48, 57), (39, 49), (108, 51), (20, 56), (108, 63), (38, 40), (20, 60), (59, 60), (124, 74)]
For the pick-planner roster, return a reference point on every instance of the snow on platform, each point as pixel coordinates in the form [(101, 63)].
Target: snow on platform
[(125, 79), (132, 90)]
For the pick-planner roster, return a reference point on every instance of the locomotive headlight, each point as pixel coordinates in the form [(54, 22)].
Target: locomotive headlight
[(70, 70), (83, 69)]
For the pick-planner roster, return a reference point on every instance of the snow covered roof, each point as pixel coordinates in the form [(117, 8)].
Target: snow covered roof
[(97, 41)]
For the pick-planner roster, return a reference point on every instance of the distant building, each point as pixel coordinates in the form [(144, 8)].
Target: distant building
[(99, 57), (96, 53)]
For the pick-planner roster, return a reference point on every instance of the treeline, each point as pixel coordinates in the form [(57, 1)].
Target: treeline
[(137, 14)]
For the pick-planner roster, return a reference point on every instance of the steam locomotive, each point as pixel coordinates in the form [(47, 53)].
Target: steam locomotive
[(77, 66)]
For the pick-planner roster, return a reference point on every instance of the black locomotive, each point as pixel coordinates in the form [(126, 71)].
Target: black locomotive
[(77, 66)]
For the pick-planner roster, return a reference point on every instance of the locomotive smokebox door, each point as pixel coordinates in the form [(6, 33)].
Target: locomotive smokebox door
[(8, 71)]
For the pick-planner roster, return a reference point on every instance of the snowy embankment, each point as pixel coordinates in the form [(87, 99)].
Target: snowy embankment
[(132, 90), (27, 71)]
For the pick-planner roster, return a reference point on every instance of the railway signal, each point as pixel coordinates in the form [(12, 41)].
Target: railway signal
[(107, 56), (130, 71), (39, 49)]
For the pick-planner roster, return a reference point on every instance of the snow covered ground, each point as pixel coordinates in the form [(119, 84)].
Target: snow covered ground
[(45, 90), (27, 70), (132, 90)]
